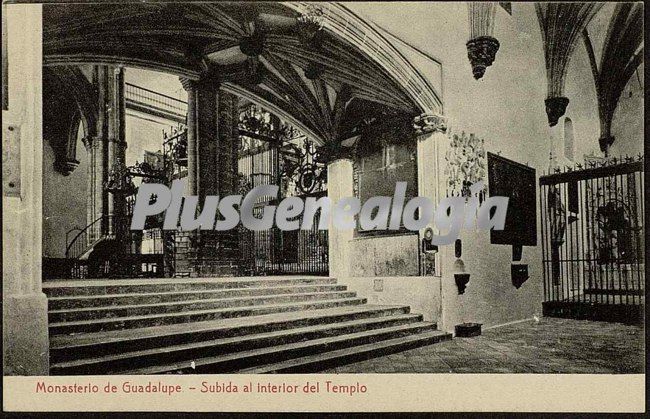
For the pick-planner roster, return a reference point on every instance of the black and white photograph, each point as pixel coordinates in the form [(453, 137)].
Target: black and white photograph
[(328, 188)]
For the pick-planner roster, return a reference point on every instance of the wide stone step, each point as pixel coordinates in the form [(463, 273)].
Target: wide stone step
[(110, 312), (331, 359), (130, 286), (88, 345), (196, 350), (82, 301), (95, 325), (246, 359)]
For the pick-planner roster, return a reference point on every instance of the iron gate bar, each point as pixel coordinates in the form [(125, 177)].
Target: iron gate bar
[(592, 173), (276, 252), (592, 239)]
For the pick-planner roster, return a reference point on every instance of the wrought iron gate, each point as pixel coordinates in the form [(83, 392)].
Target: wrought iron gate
[(290, 161), (593, 240)]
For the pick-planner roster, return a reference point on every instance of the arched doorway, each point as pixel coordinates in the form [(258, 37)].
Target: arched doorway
[(307, 65)]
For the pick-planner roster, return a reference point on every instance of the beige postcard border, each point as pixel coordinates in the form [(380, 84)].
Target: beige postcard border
[(384, 392)]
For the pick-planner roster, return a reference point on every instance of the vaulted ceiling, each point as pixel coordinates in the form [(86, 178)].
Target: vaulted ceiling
[(263, 52)]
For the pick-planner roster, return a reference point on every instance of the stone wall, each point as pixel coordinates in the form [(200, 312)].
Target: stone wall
[(506, 108)]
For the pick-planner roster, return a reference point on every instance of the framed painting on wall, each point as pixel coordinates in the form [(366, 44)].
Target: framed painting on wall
[(517, 182)]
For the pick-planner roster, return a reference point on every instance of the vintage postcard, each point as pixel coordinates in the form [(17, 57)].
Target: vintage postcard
[(323, 206)]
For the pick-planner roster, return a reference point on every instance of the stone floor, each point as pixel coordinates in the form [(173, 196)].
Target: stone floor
[(550, 345)]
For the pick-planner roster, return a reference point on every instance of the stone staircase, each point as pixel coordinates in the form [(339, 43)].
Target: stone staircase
[(221, 325)]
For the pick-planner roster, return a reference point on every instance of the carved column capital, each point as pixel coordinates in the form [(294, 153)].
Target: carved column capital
[(92, 142), (604, 142), (429, 123), (332, 151), (188, 84), (481, 52), (207, 81), (555, 109)]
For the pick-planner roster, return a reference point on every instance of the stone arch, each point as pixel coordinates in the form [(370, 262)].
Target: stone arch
[(67, 103), (364, 36), (300, 82)]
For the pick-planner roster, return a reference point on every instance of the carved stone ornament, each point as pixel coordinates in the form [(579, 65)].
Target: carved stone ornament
[(428, 123), (252, 45), (309, 27), (481, 52), (555, 108)]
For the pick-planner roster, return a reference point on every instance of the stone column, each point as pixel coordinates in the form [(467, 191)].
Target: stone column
[(212, 144), (218, 116), (25, 323), (192, 135), (115, 114), (95, 197), (432, 144), (106, 148), (339, 185), (430, 131)]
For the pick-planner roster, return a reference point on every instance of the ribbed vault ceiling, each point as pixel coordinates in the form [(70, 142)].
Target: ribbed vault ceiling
[(205, 40)]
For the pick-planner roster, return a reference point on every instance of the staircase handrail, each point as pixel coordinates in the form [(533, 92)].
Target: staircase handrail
[(82, 232)]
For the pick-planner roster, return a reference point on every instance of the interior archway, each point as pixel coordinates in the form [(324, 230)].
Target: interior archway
[(269, 53)]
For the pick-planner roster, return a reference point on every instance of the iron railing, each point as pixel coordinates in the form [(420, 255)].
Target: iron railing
[(152, 99), (593, 235), (294, 170), (139, 253), (84, 239), (278, 252)]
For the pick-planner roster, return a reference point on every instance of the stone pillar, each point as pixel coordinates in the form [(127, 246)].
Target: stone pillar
[(192, 135), (218, 156), (430, 131), (95, 197), (25, 323), (114, 134), (185, 242), (212, 149), (339, 185), (106, 148)]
